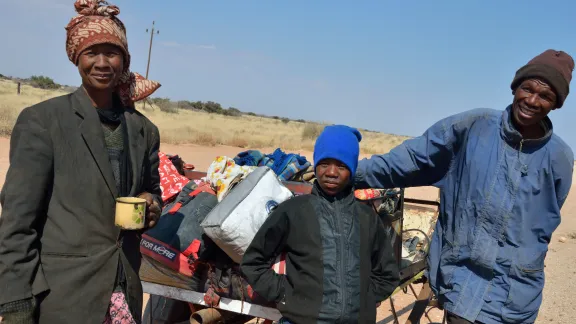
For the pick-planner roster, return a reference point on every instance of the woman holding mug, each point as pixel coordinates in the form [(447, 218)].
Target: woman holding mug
[(62, 259)]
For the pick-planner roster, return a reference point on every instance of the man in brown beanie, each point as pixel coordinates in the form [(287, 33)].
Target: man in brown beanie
[(504, 176)]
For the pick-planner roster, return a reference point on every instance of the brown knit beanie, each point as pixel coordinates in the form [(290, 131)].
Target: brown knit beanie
[(554, 67)]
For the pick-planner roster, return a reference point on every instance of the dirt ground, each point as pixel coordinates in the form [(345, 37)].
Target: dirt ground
[(557, 306)]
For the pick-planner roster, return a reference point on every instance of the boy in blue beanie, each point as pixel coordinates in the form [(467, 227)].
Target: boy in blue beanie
[(339, 260)]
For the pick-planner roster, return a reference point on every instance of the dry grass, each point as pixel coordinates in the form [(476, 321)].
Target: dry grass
[(8, 116), (11, 104), (191, 127)]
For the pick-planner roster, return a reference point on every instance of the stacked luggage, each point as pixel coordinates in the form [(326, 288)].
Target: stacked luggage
[(207, 226), (199, 242)]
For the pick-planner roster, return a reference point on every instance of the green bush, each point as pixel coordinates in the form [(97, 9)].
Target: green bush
[(232, 112), (311, 131), (212, 107), (165, 105), (43, 82)]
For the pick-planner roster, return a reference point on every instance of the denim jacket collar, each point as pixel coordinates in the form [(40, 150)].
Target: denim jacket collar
[(513, 136)]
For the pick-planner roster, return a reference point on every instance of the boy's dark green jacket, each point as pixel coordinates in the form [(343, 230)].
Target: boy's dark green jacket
[(339, 261)]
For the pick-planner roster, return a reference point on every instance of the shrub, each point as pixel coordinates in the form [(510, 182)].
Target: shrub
[(183, 104), (237, 141), (232, 112), (165, 105), (212, 107), (311, 131), (43, 82)]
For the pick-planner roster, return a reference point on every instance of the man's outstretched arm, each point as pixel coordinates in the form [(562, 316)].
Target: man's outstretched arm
[(420, 161)]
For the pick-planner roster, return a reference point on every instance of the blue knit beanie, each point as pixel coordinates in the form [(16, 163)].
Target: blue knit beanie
[(341, 143)]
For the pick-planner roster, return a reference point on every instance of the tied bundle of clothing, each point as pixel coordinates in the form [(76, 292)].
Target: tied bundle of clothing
[(224, 173), (286, 166)]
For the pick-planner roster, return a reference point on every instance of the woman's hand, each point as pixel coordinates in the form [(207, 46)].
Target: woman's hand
[(153, 209)]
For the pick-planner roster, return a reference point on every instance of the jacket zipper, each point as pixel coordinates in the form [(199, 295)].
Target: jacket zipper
[(342, 260), (521, 144), (520, 149)]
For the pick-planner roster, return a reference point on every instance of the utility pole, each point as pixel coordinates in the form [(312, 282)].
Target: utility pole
[(150, 52), (150, 49)]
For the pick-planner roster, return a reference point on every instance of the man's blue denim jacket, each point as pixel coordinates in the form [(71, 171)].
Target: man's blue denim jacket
[(500, 203)]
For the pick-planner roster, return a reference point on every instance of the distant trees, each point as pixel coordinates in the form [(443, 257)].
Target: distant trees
[(211, 107)]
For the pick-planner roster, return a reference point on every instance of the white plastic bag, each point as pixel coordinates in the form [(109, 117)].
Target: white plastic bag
[(233, 223)]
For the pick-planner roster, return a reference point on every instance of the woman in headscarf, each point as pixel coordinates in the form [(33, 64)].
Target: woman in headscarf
[(62, 259)]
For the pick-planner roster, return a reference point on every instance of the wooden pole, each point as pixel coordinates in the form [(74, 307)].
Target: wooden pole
[(150, 49), (150, 52)]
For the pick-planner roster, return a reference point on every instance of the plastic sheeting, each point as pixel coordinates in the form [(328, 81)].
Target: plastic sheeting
[(234, 222)]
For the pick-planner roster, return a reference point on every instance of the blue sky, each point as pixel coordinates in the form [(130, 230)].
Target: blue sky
[(391, 66)]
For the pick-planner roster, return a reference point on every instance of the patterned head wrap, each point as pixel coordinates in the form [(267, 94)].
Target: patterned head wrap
[(96, 23)]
